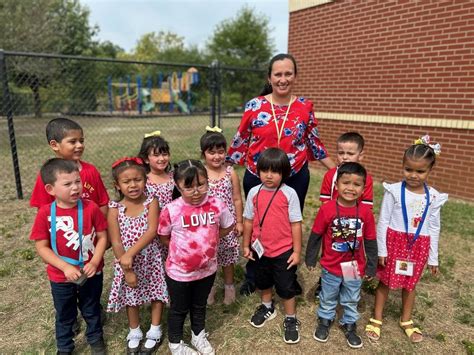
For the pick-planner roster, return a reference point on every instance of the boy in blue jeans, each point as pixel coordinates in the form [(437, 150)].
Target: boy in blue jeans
[(70, 236), (346, 228)]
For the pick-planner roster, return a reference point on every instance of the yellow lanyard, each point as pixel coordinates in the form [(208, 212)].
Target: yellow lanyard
[(280, 130)]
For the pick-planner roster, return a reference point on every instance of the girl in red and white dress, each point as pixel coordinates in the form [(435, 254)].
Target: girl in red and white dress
[(407, 235), (139, 275), (223, 183)]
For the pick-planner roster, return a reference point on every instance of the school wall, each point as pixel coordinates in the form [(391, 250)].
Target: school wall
[(392, 71)]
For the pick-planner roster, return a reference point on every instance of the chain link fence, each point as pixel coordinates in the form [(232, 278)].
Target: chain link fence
[(116, 102)]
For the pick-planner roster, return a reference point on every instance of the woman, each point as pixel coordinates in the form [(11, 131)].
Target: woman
[(277, 118)]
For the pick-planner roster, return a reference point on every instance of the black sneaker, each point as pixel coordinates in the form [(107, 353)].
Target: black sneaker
[(291, 333), (318, 289), (321, 333), (262, 314), (98, 348), (247, 288), (353, 340)]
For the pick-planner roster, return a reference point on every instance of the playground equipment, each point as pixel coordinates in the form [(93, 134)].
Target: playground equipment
[(169, 94)]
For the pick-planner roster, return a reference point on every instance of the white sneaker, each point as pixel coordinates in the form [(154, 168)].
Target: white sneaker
[(201, 343), (181, 348)]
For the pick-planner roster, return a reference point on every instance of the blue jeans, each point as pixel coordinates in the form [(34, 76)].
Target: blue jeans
[(335, 289), (66, 298)]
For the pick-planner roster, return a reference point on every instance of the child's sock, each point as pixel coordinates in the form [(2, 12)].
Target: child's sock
[(290, 315), (134, 336), (267, 304), (153, 336)]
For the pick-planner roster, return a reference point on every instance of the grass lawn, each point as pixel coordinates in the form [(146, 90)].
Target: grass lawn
[(444, 305)]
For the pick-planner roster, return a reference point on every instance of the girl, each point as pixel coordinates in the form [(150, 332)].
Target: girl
[(138, 268), (155, 152), (224, 184), (190, 226), (407, 235)]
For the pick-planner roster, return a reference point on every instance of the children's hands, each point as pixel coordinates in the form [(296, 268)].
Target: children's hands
[(131, 279), (434, 269), (90, 269), (248, 253), (126, 262), (239, 228), (72, 273), (293, 260), (382, 261)]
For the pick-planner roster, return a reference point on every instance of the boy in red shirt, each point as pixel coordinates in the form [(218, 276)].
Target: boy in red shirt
[(346, 229), (70, 236), (66, 139)]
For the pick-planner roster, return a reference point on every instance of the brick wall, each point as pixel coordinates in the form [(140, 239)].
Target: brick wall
[(388, 58)]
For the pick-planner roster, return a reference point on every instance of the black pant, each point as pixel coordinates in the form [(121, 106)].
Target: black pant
[(66, 298), (299, 182), (187, 297)]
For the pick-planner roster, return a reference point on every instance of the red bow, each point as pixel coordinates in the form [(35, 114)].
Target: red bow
[(137, 160)]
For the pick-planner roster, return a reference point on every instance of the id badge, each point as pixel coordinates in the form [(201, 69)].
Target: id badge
[(258, 248), (404, 267), (81, 280), (350, 270)]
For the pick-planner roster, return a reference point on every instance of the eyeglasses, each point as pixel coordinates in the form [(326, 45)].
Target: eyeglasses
[(189, 191)]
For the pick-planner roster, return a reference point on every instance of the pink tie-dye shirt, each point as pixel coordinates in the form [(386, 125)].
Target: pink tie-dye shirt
[(194, 236)]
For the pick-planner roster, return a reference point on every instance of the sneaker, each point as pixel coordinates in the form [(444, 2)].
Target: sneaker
[(247, 288), (229, 294), (321, 333), (262, 314), (211, 298), (63, 352), (350, 331), (98, 348), (201, 343), (181, 348), (291, 333)]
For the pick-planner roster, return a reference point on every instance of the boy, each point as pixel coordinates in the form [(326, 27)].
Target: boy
[(272, 227), (346, 229), (73, 249), (350, 148), (66, 139)]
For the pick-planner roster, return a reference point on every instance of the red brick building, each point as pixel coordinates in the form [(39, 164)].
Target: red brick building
[(393, 71)]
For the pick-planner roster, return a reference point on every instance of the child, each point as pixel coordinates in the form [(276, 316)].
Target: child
[(66, 139), (70, 236), (224, 184), (346, 229), (191, 226), (155, 152), (407, 235), (272, 227), (349, 147), (139, 275)]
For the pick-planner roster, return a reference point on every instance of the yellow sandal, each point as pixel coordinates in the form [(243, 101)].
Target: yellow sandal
[(410, 331), (371, 328)]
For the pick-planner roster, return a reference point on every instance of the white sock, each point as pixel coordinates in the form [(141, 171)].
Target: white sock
[(267, 304), (134, 337), (155, 333), (290, 315)]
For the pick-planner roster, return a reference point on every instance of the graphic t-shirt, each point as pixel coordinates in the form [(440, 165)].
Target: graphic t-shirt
[(93, 188), (194, 235), (67, 236), (337, 232)]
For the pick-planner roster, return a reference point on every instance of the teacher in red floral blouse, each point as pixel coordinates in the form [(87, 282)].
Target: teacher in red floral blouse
[(277, 118)]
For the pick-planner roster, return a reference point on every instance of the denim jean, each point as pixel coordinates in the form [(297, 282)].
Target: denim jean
[(187, 297), (334, 290), (67, 297)]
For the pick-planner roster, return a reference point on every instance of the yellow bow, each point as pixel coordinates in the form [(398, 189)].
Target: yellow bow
[(215, 129), (153, 134)]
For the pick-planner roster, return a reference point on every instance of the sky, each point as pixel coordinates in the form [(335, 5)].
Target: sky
[(123, 22)]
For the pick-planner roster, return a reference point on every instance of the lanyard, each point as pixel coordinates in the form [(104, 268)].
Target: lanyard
[(353, 246), (405, 214), (80, 261), (268, 206), (280, 130)]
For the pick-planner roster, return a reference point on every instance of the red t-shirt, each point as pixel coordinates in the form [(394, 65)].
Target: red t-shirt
[(67, 240), (93, 188), (335, 249), (329, 192)]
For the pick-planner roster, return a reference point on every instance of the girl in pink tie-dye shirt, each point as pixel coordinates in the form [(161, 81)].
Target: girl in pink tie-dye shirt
[(191, 226)]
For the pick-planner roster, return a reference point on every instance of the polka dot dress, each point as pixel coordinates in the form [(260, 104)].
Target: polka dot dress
[(228, 250), (148, 264)]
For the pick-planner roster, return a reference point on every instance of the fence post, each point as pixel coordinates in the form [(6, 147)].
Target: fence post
[(218, 92), (213, 88), (8, 107)]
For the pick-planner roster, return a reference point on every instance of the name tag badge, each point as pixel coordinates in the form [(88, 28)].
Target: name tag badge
[(350, 270), (404, 267), (258, 248)]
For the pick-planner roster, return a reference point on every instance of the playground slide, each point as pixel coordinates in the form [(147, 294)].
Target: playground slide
[(182, 106)]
